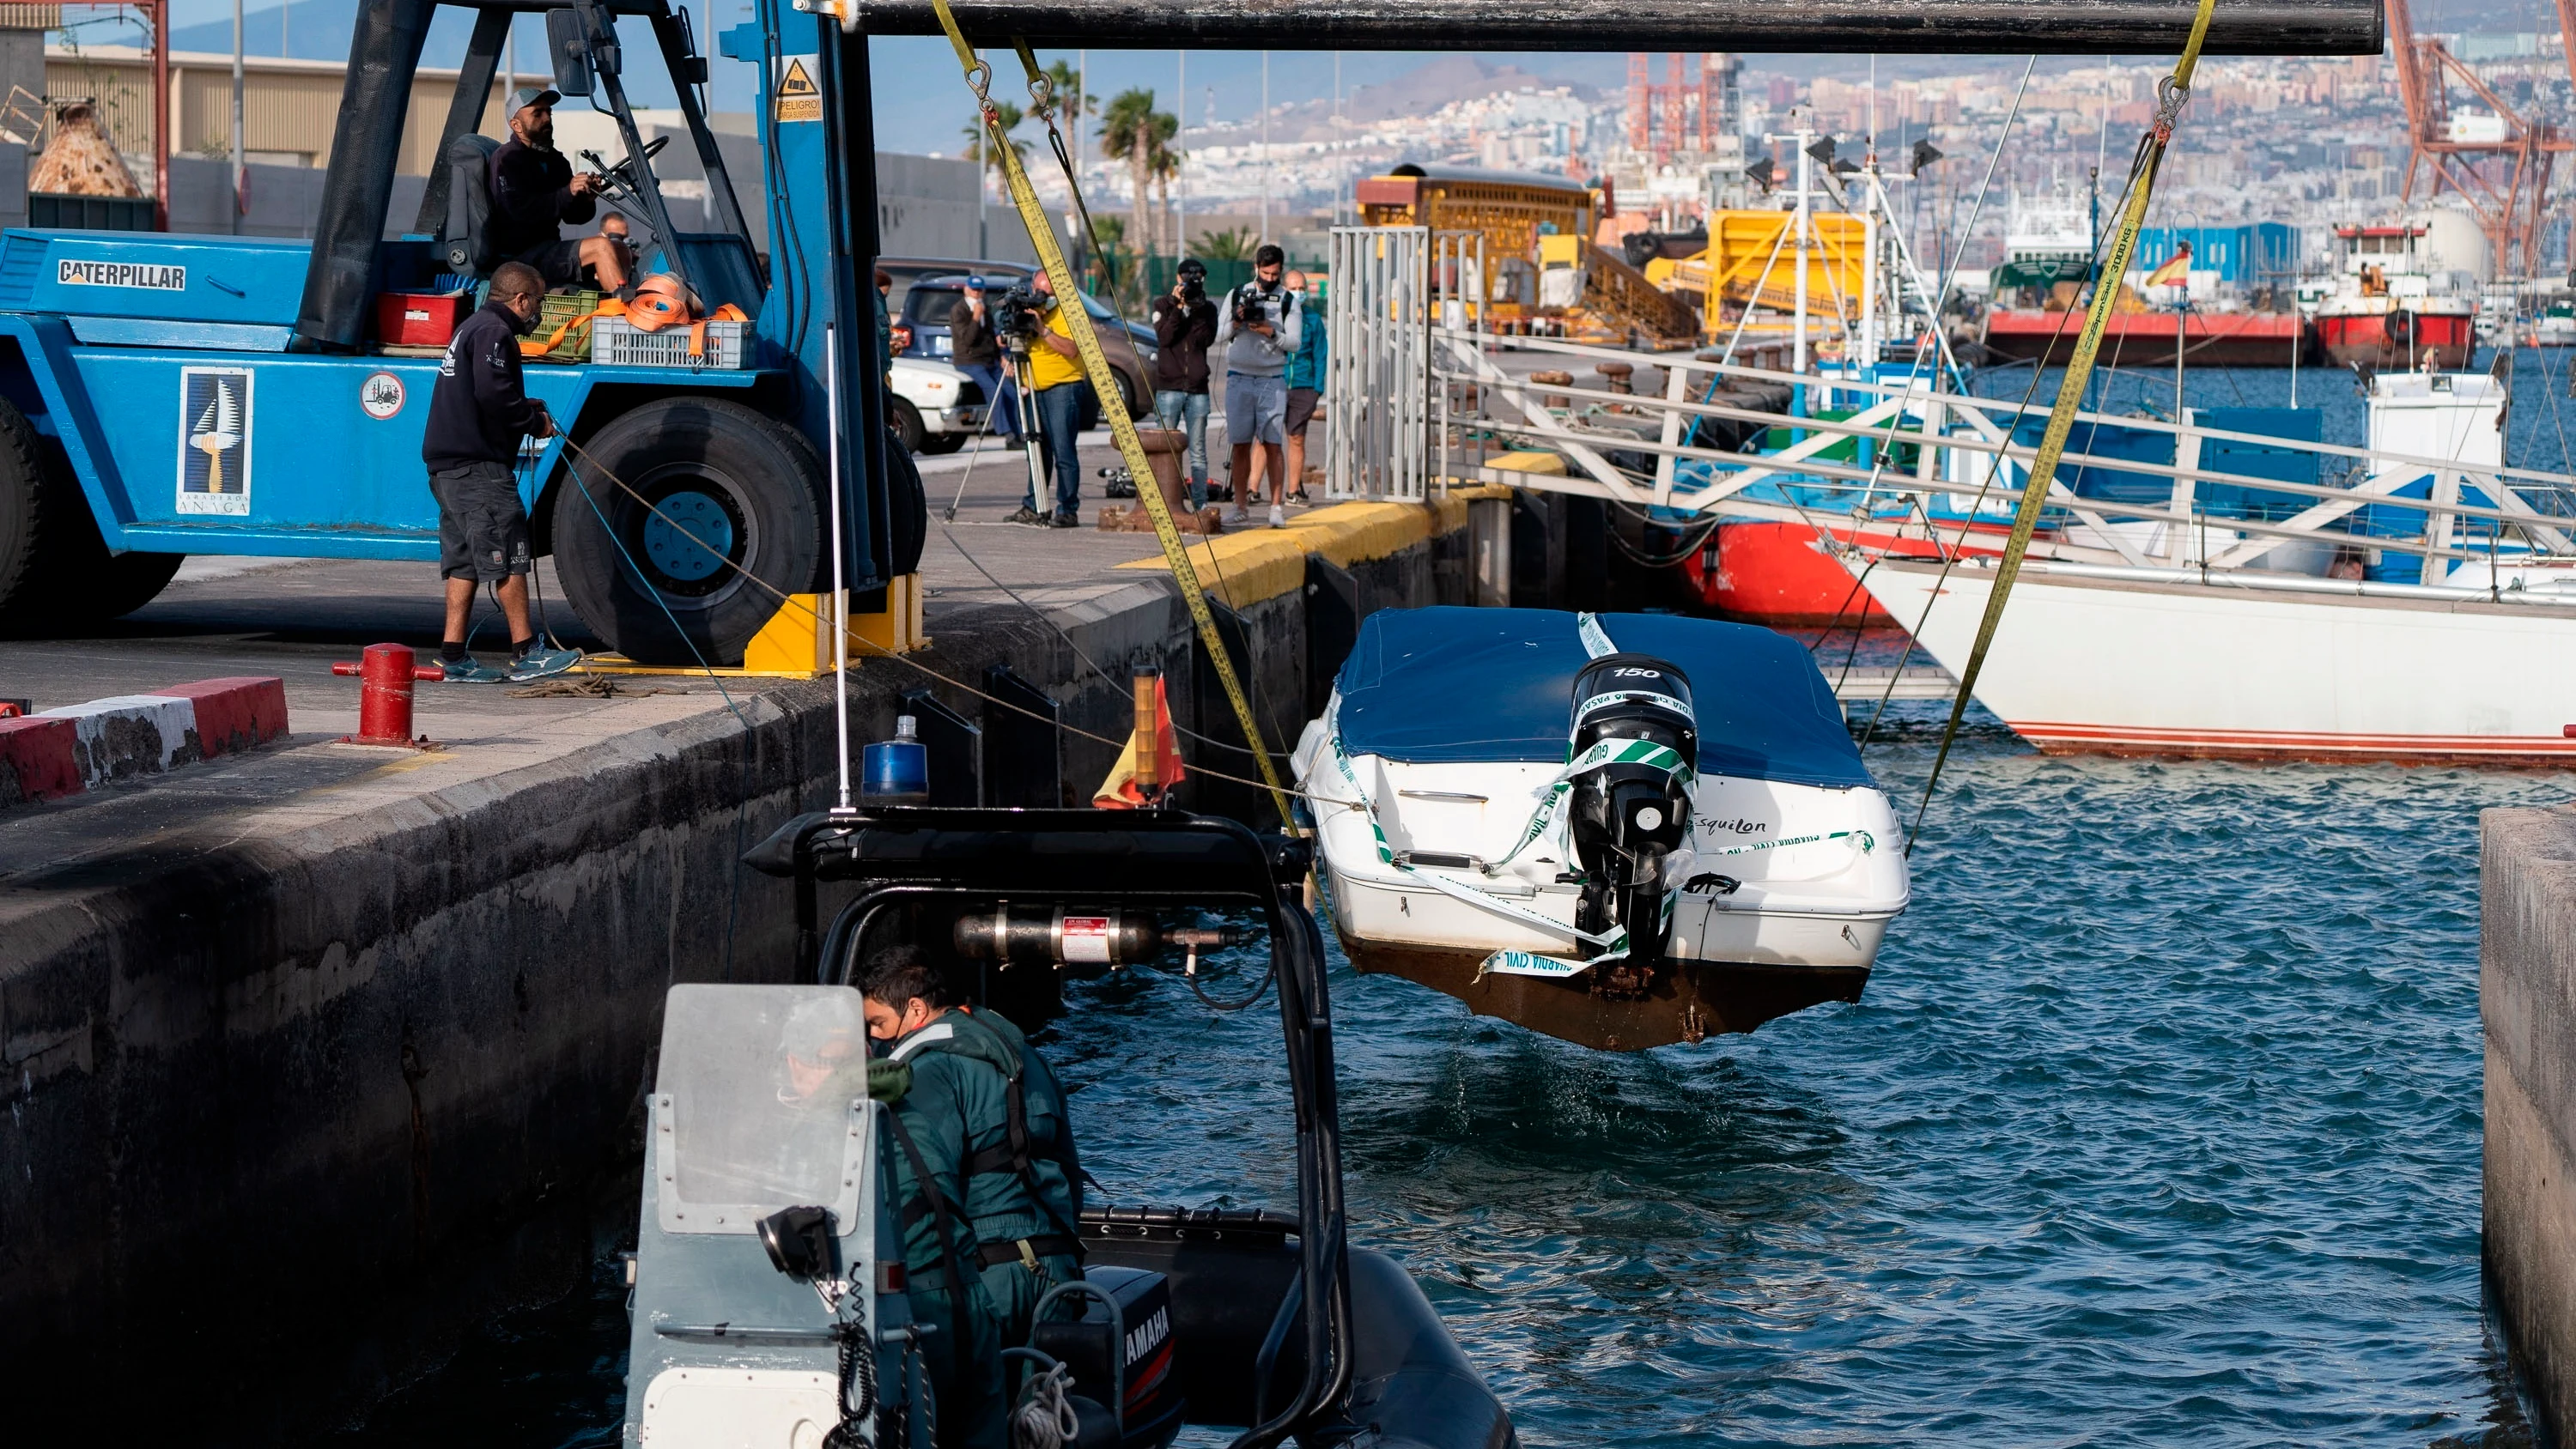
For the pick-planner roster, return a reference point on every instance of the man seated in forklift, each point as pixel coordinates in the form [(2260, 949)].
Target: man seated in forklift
[(535, 190), (986, 1179), (479, 409)]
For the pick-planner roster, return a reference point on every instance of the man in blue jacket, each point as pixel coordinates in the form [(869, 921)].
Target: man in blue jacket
[(986, 1180), (1305, 385)]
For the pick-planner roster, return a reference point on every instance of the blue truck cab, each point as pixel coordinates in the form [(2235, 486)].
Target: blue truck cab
[(165, 395)]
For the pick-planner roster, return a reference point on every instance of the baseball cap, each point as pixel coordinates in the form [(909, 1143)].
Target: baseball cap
[(526, 96), (975, 284), (1192, 267)]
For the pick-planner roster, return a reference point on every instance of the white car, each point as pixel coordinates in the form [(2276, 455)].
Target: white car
[(936, 407)]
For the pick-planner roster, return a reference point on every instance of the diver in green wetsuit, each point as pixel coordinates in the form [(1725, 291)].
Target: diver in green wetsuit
[(985, 1175)]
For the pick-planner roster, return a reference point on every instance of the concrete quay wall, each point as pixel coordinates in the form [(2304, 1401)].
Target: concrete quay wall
[(287, 1105), (2527, 1003)]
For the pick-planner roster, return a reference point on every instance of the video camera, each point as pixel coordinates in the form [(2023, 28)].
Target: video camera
[(1256, 301), (1193, 275), (1019, 315)]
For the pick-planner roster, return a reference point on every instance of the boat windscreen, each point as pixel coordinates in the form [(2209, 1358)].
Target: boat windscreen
[(753, 1102), (1453, 685)]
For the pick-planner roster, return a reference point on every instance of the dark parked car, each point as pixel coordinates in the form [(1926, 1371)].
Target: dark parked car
[(921, 323)]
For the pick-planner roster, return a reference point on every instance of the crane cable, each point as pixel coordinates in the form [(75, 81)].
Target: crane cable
[(2172, 94), (1095, 364)]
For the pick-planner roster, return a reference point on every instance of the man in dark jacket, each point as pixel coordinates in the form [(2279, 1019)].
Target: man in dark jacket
[(976, 352), (534, 191), (478, 411), (1184, 327), (986, 1181)]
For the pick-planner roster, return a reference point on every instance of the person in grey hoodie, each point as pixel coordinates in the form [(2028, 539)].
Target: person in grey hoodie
[(1258, 329)]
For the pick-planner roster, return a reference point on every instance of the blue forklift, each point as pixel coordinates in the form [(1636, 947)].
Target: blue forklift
[(165, 395)]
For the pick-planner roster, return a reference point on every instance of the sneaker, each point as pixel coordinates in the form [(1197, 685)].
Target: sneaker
[(1064, 519), (539, 662), (1026, 514), (1278, 516), (1239, 517), (471, 670)]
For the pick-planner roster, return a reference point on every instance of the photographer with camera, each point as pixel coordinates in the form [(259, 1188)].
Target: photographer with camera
[(1032, 326), (1260, 330), (976, 351), (1184, 329)]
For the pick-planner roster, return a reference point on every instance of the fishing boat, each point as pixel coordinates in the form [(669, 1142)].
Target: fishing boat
[(1622, 830), (2389, 310), (2406, 601), (768, 1298)]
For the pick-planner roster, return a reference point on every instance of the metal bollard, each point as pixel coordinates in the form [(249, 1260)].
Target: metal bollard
[(385, 677)]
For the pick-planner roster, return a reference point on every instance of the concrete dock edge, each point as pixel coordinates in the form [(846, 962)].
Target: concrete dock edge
[(2527, 1005), (287, 1105)]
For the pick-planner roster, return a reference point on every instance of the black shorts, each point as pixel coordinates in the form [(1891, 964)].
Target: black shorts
[(482, 526), (559, 262), (1301, 410)]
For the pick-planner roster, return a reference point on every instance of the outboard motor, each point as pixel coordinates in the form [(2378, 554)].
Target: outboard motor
[(1628, 818)]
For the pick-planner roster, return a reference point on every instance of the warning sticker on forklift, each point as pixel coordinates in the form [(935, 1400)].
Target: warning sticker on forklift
[(381, 395), (799, 99), (214, 440), (74, 273)]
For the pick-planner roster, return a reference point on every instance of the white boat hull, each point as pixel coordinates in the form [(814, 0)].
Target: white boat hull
[(1803, 926), (2251, 667)]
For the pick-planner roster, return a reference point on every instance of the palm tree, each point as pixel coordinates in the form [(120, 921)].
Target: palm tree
[(1132, 128), (1228, 246), (1070, 102), (1166, 165), (1009, 116)]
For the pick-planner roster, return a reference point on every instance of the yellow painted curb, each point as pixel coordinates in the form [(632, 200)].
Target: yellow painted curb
[(1242, 569)]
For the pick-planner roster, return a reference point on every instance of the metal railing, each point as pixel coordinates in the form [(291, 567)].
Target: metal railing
[(1377, 385), (1932, 469)]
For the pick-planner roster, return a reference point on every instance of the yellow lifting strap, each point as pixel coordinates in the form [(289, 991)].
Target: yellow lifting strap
[(1096, 365), (2171, 95)]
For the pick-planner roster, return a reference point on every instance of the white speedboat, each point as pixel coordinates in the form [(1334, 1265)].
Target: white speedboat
[(1623, 830)]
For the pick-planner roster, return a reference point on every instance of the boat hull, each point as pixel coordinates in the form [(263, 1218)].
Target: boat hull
[(1690, 1002), (2143, 339), (2280, 671), (2442, 341), (1772, 573)]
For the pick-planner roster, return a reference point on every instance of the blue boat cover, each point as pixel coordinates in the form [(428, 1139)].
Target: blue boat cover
[(1449, 685)]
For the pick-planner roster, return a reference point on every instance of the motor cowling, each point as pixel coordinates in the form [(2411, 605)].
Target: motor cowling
[(1628, 818)]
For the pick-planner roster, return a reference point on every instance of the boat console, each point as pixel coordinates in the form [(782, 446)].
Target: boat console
[(769, 1302)]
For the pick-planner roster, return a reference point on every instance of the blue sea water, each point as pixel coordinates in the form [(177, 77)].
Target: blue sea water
[(2159, 1124)]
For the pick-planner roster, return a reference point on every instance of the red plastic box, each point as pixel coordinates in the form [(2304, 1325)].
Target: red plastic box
[(419, 319)]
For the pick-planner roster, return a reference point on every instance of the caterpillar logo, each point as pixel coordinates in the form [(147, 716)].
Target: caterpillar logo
[(1148, 1336), (75, 273)]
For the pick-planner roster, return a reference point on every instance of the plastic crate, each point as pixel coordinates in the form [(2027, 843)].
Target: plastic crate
[(569, 312), (616, 342)]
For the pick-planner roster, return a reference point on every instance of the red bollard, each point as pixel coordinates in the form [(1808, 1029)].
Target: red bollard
[(385, 675)]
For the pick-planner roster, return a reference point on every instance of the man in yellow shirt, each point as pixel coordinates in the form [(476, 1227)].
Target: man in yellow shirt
[(1054, 371)]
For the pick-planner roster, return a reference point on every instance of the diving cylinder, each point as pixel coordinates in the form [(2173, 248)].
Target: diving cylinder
[(896, 771), (1628, 819)]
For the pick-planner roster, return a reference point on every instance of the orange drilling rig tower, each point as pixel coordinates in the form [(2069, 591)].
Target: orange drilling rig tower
[(2500, 162)]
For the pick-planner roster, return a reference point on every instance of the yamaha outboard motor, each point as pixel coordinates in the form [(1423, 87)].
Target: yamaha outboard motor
[(1629, 816)]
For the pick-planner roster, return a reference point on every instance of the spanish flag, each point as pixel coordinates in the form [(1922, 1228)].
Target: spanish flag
[(1150, 765), (2176, 272)]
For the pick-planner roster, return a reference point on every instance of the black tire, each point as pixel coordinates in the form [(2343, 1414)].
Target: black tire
[(721, 476), (56, 574), (939, 445), (906, 421), (907, 512)]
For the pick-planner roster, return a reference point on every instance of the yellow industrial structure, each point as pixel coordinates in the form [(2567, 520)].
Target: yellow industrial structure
[(1753, 259)]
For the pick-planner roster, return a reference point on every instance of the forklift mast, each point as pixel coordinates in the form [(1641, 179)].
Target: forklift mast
[(816, 142)]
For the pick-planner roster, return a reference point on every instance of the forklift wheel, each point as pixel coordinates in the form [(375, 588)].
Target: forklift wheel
[(56, 575), (732, 493)]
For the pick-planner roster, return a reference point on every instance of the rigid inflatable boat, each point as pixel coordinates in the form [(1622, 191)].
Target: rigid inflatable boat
[(1623, 830), (768, 1303)]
